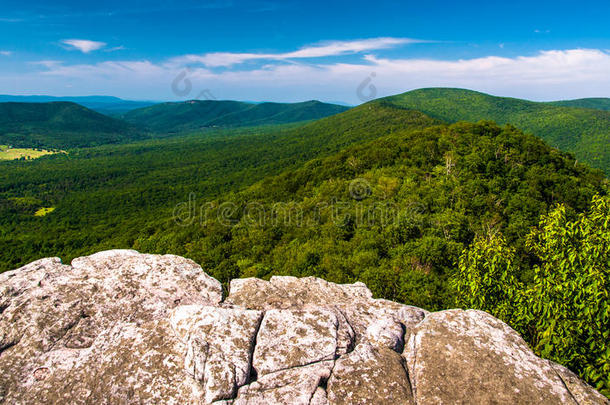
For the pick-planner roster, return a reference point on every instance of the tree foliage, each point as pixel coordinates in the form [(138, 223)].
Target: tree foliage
[(565, 312)]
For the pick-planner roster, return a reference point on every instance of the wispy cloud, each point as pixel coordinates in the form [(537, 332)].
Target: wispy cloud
[(114, 49), (10, 20), (326, 49), (84, 45), (6, 53), (49, 64)]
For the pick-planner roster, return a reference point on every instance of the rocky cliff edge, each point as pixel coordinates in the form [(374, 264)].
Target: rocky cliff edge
[(120, 327)]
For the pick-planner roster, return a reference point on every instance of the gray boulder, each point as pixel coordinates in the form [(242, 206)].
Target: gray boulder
[(120, 327), (480, 359)]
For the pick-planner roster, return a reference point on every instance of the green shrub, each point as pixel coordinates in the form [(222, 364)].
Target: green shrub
[(564, 314)]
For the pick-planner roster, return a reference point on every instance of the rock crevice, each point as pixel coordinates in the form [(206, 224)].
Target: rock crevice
[(125, 327)]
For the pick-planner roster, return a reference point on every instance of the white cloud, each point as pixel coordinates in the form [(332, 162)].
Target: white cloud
[(553, 74), (109, 70), (6, 53), (84, 45), (546, 67), (331, 48)]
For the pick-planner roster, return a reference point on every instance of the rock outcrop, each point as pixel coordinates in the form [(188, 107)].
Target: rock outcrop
[(120, 327)]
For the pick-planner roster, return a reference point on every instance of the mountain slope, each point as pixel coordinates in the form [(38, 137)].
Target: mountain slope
[(592, 103), (176, 116), (196, 114), (110, 194), (584, 132), (280, 113), (395, 212), (60, 125)]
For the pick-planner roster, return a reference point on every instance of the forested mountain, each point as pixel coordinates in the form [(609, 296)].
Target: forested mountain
[(584, 132), (103, 104), (60, 125), (108, 196), (395, 212), (593, 103), (196, 114)]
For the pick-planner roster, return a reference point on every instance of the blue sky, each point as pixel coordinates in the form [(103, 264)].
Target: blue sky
[(293, 50)]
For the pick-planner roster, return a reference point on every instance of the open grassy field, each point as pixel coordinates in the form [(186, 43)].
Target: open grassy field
[(44, 211), (7, 153)]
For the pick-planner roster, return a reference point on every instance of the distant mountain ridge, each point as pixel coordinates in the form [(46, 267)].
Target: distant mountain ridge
[(107, 105), (60, 125), (592, 103), (197, 114), (572, 125), (584, 132)]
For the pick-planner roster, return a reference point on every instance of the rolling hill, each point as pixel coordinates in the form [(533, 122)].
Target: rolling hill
[(584, 132), (197, 114), (60, 125), (592, 103)]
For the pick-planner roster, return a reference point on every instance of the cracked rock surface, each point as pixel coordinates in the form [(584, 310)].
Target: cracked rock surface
[(120, 327)]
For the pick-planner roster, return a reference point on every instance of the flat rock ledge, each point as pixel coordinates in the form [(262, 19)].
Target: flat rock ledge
[(120, 327)]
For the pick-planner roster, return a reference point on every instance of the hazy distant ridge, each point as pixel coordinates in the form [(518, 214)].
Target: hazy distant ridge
[(197, 114)]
